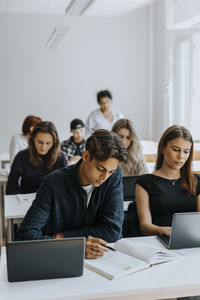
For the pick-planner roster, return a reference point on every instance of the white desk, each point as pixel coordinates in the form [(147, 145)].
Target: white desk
[(172, 279), (14, 209), (4, 159), (3, 180), (196, 165)]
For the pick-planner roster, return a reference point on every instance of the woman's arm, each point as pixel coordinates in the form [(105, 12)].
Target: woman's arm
[(12, 186), (144, 214)]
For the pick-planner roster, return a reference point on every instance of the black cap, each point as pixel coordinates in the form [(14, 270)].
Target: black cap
[(76, 124)]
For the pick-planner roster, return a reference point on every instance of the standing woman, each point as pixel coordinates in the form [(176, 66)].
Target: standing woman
[(103, 117), (42, 157), (172, 188), (135, 164)]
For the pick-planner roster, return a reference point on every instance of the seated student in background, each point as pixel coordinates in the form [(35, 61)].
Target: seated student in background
[(172, 188), (20, 141), (85, 199), (75, 145), (103, 117), (135, 163), (31, 165)]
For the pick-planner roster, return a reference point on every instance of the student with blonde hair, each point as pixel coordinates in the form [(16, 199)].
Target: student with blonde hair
[(135, 164)]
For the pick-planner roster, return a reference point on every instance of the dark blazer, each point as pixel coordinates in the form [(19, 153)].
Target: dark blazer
[(60, 206)]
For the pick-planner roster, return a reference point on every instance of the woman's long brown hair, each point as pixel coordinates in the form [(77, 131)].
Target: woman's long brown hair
[(54, 151), (188, 180)]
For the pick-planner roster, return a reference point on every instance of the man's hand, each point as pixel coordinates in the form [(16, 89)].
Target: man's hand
[(95, 247), (59, 235)]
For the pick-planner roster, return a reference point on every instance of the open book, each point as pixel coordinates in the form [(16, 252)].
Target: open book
[(130, 256)]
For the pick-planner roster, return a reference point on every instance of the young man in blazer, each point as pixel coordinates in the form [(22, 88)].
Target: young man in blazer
[(85, 199)]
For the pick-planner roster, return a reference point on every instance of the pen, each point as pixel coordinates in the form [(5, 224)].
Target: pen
[(109, 248)]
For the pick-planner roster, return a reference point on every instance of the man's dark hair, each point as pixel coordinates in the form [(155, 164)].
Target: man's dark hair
[(104, 144), (102, 94)]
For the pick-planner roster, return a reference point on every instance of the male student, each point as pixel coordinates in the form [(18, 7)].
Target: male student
[(75, 145), (85, 199)]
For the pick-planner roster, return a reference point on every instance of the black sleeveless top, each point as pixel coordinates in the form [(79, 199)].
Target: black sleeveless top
[(167, 197)]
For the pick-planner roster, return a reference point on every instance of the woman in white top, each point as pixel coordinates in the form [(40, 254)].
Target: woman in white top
[(20, 141), (103, 117)]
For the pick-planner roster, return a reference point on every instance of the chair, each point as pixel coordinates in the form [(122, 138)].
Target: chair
[(4, 160), (149, 150), (129, 187), (0, 230), (131, 224)]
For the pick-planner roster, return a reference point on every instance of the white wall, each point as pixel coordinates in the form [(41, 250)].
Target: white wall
[(61, 84), (159, 70), (185, 10)]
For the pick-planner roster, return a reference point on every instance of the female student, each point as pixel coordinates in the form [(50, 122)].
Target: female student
[(135, 164), (20, 141), (104, 117), (172, 188), (42, 157)]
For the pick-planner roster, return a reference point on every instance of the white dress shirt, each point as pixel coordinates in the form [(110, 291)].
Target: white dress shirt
[(96, 120), (18, 142)]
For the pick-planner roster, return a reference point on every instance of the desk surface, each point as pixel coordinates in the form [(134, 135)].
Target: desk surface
[(171, 279), (14, 208), (3, 176)]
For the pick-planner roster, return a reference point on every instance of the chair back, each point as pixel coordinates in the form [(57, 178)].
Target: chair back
[(129, 187), (130, 225)]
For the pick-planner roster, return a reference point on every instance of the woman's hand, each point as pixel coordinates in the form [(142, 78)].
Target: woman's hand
[(165, 230)]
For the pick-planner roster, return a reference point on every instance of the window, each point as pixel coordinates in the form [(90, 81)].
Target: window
[(185, 81)]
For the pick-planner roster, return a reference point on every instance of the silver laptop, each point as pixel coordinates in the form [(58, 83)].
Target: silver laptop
[(185, 231), (45, 259)]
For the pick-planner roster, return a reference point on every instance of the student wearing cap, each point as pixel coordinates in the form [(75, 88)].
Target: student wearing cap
[(75, 145), (85, 199)]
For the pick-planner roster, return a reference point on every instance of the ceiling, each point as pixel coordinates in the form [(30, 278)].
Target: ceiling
[(54, 7)]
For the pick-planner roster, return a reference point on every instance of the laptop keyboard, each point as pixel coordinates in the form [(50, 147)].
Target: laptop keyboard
[(164, 237)]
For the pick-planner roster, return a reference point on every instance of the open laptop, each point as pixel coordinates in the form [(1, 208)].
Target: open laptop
[(45, 259), (185, 231)]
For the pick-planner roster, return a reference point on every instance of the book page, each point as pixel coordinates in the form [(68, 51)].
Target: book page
[(114, 265), (145, 251), (26, 198)]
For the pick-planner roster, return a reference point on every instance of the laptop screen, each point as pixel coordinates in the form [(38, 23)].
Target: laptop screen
[(45, 259)]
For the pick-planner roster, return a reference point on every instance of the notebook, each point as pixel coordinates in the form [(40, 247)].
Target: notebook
[(185, 231), (130, 256), (45, 259)]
